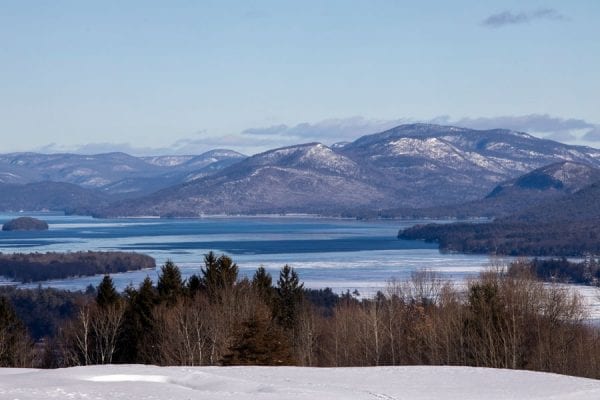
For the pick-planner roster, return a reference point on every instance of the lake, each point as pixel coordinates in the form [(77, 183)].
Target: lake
[(337, 253)]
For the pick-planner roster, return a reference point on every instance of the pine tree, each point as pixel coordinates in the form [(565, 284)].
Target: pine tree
[(289, 297), (194, 285), (138, 327), (106, 294), (218, 274), (170, 285), (15, 347), (258, 342), (262, 283)]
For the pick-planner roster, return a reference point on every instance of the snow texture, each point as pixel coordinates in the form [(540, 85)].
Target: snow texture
[(283, 383)]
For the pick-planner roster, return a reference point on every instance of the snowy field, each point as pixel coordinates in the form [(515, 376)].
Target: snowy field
[(285, 383)]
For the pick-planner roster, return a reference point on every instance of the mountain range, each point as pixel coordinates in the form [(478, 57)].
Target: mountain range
[(81, 183), (411, 166), (416, 166)]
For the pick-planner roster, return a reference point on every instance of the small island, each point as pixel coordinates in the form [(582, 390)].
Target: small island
[(25, 224)]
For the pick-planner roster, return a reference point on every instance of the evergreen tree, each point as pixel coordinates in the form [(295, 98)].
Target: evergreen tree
[(15, 346), (262, 285), (194, 285), (170, 285), (106, 294), (289, 297), (137, 335), (258, 342), (218, 274)]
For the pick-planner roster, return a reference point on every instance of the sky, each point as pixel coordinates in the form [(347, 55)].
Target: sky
[(182, 77)]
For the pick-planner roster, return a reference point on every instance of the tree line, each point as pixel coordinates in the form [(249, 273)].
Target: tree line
[(512, 238), (586, 272), (501, 320), (36, 267)]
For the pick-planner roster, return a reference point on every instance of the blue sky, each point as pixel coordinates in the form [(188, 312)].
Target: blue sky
[(186, 76)]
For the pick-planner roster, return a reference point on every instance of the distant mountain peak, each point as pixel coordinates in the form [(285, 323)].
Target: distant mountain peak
[(313, 155)]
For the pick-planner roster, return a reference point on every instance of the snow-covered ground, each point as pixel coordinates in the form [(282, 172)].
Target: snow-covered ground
[(283, 383)]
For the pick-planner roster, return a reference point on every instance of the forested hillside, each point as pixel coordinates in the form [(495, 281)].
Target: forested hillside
[(568, 226), (214, 318)]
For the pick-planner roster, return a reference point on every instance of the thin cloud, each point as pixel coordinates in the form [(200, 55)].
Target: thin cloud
[(507, 18), (536, 123), (329, 131), (568, 130), (564, 137), (593, 135)]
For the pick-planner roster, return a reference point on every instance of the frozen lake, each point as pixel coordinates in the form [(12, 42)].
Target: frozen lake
[(337, 253)]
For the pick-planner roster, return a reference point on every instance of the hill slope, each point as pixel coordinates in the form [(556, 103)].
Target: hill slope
[(535, 188), (56, 196), (291, 179), (566, 226), (284, 383)]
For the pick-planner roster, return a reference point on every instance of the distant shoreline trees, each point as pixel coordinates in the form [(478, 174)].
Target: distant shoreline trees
[(36, 267), (512, 238)]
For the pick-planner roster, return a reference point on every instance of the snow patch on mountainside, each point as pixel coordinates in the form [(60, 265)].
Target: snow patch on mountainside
[(322, 157), (441, 151), (167, 161)]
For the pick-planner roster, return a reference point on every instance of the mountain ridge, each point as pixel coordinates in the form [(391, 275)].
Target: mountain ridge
[(409, 167), (413, 166)]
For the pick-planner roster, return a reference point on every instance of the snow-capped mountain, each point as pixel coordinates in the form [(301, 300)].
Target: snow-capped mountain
[(91, 171), (410, 166), (445, 164), (303, 178), (191, 162)]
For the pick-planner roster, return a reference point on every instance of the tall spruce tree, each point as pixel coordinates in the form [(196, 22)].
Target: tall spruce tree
[(289, 297), (218, 274), (262, 283), (170, 285), (138, 328), (258, 342), (106, 294), (194, 285), (15, 346)]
